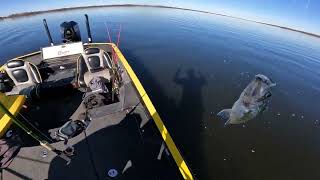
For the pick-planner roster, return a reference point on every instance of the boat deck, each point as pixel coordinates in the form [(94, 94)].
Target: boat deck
[(121, 136)]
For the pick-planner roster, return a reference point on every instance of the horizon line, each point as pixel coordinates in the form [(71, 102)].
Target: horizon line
[(33, 13)]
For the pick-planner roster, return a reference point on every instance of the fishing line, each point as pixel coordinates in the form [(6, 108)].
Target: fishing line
[(90, 156), (136, 120), (33, 126), (119, 34), (26, 129)]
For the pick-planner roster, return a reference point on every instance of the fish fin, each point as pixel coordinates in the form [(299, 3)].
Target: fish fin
[(266, 96), (226, 124), (263, 108), (224, 115)]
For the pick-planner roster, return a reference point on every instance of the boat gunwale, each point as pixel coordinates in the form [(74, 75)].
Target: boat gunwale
[(174, 151)]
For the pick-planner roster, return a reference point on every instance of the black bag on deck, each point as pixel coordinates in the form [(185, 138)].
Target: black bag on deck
[(97, 85), (93, 100)]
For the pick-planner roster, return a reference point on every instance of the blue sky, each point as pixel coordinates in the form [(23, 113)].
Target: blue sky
[(298, 14)]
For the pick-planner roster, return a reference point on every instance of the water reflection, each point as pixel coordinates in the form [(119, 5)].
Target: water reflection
[(189, 113)]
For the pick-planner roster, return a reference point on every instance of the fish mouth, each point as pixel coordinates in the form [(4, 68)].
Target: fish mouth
[(265, 80), (271, 83)]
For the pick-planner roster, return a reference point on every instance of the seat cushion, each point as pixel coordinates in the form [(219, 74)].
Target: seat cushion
[(94, 62), (20, 75)]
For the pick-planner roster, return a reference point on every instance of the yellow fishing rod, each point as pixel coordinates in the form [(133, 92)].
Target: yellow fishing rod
[(42, 142)]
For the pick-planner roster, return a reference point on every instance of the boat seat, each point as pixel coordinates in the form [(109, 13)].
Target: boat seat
[(94, 62), (23, 74)]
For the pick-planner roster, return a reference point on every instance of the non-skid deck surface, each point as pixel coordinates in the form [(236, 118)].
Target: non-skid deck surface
[(114, 141), (119, 146)]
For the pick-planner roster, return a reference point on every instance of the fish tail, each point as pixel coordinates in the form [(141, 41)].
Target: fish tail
[(225, 115)]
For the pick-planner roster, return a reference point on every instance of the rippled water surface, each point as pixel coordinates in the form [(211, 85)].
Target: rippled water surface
[(193, 65)]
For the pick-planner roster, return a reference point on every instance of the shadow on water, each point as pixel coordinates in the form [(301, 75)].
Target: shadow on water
[(190, 107), (188, 116), (182, 119)]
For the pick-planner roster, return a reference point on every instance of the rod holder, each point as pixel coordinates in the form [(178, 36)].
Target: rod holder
[(88, 28), (48, 32)]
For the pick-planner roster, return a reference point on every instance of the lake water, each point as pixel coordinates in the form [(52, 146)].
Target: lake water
[(192, 66)]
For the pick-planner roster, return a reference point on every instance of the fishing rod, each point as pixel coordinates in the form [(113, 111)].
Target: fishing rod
[(88, 28), (43, 143), (115, 68), (47, 31)]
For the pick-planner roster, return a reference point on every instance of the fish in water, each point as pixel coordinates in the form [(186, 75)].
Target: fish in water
[(251, 102)]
